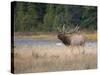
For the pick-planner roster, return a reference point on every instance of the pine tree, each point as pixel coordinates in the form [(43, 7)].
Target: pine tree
[(31, 17), (19, 20), (89, 18), (49, 17)]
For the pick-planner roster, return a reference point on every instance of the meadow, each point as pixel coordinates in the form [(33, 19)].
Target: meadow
[(46, 58)]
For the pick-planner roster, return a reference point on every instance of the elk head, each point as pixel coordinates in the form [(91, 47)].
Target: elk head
[(68, 38)]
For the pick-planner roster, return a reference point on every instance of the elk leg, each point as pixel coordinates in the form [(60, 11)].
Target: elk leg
[(72, 48), (79, 49), (83, 50)]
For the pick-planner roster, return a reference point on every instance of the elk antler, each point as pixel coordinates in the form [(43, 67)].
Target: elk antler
[(76, 29), (68, 30), (58, 29), (63, 28)]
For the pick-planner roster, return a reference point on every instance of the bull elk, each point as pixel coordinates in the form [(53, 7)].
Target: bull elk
[(71, 37)]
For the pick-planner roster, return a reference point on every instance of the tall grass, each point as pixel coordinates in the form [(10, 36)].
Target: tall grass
[(53, 58)]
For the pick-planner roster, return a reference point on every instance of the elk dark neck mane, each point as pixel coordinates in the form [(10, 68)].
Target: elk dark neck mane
[(64, 38)]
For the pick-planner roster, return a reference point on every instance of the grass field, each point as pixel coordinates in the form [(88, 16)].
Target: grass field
[(53, 58), (44, 58)]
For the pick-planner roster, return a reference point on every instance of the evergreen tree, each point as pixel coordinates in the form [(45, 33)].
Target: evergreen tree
[(31, 17), (49, 17), (19, 20), (89, 18)]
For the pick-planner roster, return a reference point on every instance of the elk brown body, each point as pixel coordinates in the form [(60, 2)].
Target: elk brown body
[(74, 39)]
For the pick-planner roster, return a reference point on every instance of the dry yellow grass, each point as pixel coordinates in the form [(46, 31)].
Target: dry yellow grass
[(88, 36), (44, 58), (91, 36)]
